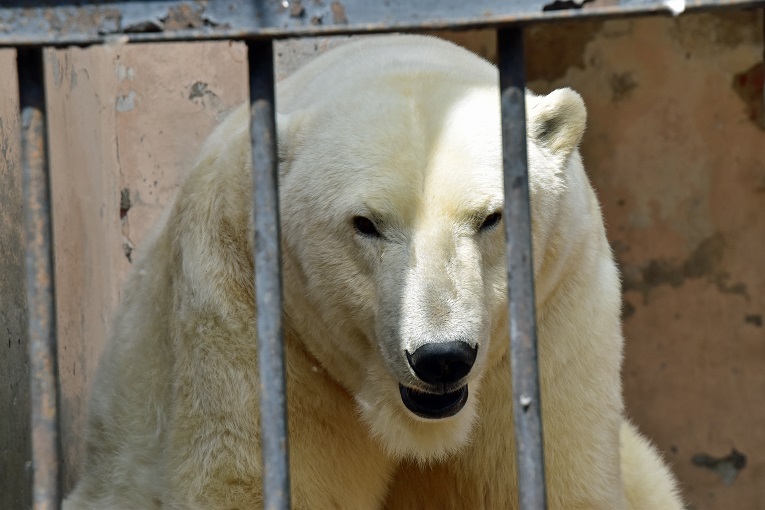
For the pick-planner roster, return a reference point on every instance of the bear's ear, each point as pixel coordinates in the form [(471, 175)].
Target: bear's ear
[(557, 121)]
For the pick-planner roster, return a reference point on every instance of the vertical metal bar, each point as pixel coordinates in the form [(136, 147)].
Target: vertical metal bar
[(273, 401), (43, 365), (520, 273)]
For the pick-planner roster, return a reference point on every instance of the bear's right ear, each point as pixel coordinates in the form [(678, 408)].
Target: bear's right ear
[(557, 121)]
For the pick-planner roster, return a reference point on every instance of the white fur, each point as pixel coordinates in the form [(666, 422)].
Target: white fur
[(405, 131)]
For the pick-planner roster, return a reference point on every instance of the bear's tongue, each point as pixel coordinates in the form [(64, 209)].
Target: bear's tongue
[(433, 406)]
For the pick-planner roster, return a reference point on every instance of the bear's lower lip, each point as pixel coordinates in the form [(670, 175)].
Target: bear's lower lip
[(431, 405)]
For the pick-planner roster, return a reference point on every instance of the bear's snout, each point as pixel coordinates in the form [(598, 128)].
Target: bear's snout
[(443, 363)]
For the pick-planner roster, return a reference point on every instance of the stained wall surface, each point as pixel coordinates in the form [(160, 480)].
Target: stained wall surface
[(125, 123), (675, 148)]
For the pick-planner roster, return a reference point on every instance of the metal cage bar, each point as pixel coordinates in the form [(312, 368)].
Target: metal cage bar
[(268, 275), (43, 364), (527, 413), (55, 22)]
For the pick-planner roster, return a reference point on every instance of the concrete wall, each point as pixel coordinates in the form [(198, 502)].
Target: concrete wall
[(675, 147), (676, 150), (125, 123)]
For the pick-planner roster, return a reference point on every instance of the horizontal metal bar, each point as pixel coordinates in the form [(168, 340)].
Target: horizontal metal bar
[(527, 413), (268, 279), (43, 370), (81, 22)]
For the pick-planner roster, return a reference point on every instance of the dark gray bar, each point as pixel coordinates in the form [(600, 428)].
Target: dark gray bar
[(43, 366), (58, 22), (268, 279), (520, 273)]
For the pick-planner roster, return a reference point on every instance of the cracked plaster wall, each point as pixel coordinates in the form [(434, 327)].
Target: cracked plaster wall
[(675, 148), (126, 122)]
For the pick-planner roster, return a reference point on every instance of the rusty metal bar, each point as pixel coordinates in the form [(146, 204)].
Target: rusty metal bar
[(527, 413), (43, 365), (268, 279), (49, 22)]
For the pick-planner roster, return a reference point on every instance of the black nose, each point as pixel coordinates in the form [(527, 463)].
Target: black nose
[(442, 362)]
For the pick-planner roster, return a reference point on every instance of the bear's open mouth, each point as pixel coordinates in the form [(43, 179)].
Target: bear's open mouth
[(431, 405)]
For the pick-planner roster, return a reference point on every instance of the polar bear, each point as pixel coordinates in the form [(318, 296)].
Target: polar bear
[(394, 303)]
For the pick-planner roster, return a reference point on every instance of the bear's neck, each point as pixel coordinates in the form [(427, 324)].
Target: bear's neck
[(338, 350)]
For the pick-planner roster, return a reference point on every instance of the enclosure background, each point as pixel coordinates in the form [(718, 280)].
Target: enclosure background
[(675, 148)]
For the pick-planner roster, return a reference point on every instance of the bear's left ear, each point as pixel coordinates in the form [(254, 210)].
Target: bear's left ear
[(557, 121)]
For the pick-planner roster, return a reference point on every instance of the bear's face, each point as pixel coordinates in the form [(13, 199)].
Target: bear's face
[(394, 252)]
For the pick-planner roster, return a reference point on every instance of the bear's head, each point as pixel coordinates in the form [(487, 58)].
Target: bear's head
[(394, 243)]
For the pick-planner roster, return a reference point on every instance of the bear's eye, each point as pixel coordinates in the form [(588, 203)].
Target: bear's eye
[(490, 221), (365, 226)]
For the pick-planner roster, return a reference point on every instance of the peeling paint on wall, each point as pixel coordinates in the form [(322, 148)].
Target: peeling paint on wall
[(200, 92), (622, 85), (125, 103), (125, 203), (727, 467), (748, 85), (123, 72), (702, 262)]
